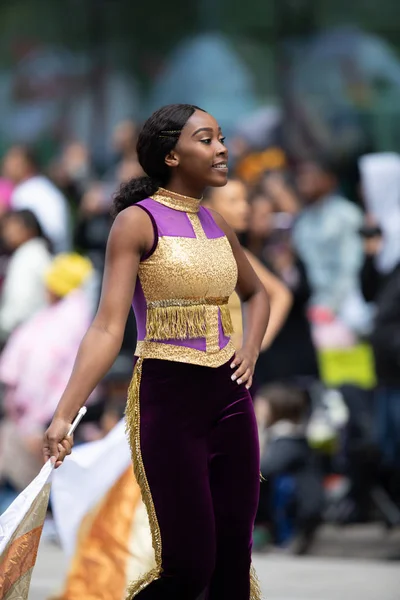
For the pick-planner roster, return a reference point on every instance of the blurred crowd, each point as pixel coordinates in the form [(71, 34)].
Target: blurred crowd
[(327, 387)]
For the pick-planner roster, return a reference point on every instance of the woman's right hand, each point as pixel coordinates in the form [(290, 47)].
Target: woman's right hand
[(56, 444)]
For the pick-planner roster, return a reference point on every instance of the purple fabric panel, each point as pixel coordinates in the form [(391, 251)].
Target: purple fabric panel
[(172, 223), (210, 227), (139, 306), (155, 230), (223, 339), (199, 446)]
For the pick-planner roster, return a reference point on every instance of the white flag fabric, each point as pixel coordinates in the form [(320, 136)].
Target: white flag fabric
[(20, 530), (85, 477), (101, 519)]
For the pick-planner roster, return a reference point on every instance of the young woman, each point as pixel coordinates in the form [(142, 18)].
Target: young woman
[(189, 414), (232, 204)]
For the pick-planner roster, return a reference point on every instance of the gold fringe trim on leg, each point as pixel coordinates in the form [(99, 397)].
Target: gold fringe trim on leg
[(132, 415), (226, 319), (255, 589)]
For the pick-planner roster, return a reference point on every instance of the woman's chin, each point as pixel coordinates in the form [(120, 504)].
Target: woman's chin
[(219, 179)]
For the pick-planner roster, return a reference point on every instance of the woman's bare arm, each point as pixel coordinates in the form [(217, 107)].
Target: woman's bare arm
[(280, 298), (130, 237), (250, 290)]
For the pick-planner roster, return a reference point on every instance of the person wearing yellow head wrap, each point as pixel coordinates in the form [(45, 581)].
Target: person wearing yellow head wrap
[(67, 273), (37, 362)]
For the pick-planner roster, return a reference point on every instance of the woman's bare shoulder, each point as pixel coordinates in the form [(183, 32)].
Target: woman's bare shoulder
[(132, 226)]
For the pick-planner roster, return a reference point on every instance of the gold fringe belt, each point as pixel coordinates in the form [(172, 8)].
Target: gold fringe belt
[(182, 319)]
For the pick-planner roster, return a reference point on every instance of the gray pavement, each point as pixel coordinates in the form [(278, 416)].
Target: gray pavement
[(346, 565)]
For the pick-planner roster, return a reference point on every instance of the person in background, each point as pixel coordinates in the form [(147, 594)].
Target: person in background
[(23, 292), (384, 291), (93, 224), (6, 190), (128, 168), (292, 493), (260, 224), (232, 204), (36, 364), (326, 238), (35, 192), (292, 356), (251, 167), (124, 164), (278, 187), (92, 229), (72, 171), (125, 138)]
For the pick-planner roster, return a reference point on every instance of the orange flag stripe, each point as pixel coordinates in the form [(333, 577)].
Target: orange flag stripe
[(20, 556), (99, 567)]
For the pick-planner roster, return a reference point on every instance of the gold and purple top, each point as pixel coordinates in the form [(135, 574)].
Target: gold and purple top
[(184, 284)]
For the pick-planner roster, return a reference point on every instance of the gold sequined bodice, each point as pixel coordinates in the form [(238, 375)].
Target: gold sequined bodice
[(185, 285)]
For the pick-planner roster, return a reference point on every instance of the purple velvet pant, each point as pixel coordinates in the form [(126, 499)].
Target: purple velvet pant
[(200, 451)]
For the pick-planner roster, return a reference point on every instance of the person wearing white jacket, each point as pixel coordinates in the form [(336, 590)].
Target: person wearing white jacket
[(23, 292), (33, 191)]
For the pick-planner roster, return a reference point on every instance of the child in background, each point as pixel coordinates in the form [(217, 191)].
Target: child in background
[(292, 493), (35, 365)]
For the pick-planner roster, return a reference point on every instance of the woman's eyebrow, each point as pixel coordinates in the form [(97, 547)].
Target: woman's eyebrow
[(209, 129)]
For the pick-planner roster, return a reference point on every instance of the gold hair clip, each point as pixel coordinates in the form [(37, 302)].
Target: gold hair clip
[(171, 133)]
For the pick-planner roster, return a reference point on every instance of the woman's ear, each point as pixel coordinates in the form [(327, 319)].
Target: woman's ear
[(172, 159)]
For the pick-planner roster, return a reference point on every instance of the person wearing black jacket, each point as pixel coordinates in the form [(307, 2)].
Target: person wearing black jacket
[(291, 357), (288, 460), (384, 291)]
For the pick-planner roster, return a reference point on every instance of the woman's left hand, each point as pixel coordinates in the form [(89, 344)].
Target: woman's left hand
[(244, 364)]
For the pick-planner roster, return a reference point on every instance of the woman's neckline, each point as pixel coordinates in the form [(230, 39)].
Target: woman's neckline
[(177, 201)]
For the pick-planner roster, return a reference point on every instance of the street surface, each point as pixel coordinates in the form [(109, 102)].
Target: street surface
[(347, 564)]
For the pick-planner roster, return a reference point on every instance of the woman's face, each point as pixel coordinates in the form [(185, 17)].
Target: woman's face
[(260, 224), (14, 233), (313, 182), (231, 203), (200, 158)]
